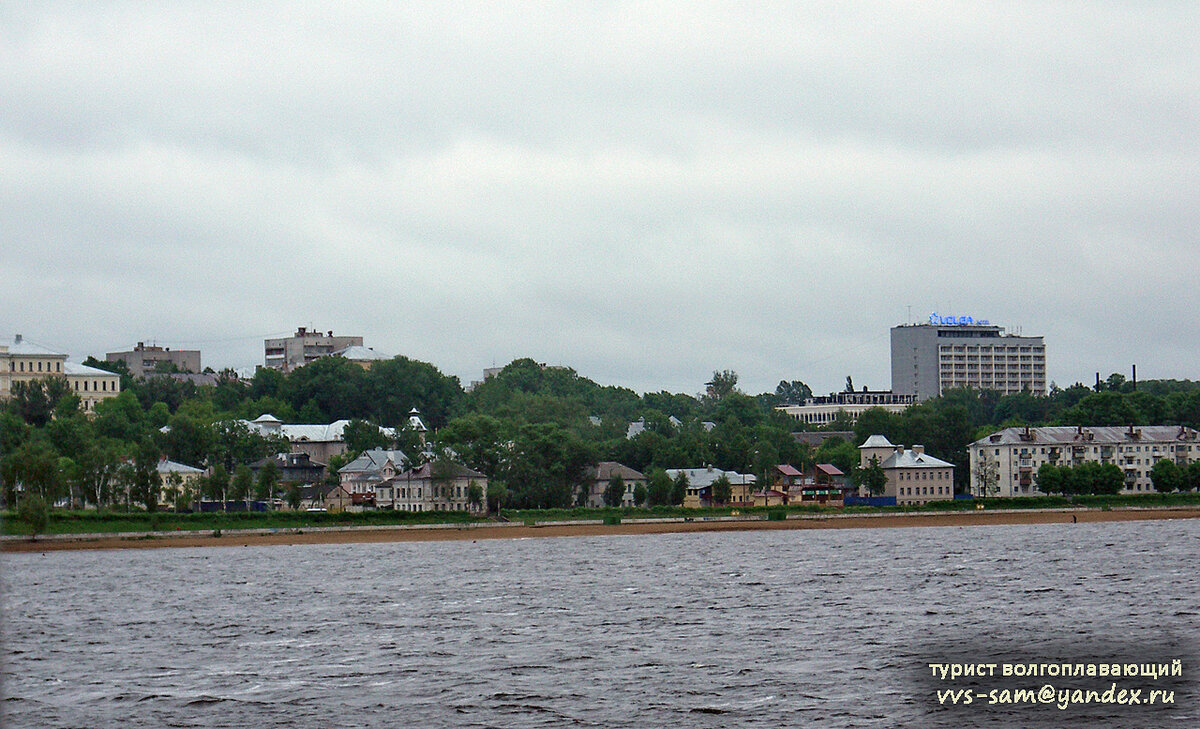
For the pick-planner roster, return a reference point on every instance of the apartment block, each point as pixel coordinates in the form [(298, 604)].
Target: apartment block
[(144, 360), (303, 347), (1006, 463)]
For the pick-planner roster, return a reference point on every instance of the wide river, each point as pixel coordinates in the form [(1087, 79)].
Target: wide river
[(821, 628)]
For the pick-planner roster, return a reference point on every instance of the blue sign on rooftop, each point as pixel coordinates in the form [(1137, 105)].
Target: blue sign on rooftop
[(957, 321)]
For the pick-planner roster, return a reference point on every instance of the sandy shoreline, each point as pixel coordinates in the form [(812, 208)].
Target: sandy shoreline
[(367, 536)]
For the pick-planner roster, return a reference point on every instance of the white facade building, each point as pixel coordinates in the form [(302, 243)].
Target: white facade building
[(928, 359), (1006, 463), (819, 411)]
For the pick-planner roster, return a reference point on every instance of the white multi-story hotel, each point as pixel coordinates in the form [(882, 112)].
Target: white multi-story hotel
[(950, 352), (818, 411), (1006, 463)]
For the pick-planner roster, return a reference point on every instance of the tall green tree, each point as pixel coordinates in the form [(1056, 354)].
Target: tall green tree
[(679, 487), (32, 466), (871, 477), (34, 400), (614, 492), (268, 481), (1167, 477), (546, 466), (242, 486), (216, 486), (147, 482), (722, 490), (1050, 479), (361, 435), (658, 487), (723, 382), (792, 393)]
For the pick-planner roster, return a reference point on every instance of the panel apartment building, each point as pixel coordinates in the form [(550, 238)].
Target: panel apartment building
[(950, 352), (303, 347), (144, 360), (1006, 463)]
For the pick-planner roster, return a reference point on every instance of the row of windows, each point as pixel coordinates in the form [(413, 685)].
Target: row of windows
[(923, 475), (385, 496), (998, 348), (1163, 448), (20, 366), (102, 388), (924, 491), (436, 507)]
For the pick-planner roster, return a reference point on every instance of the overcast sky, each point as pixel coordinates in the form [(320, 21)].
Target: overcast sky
[(643, 191)]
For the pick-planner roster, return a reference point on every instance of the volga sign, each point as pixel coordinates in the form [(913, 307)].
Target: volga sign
[(957, 321)]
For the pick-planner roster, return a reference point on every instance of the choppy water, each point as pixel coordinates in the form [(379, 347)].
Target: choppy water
[(763, 629)]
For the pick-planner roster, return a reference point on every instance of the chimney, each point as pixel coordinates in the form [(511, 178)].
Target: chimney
[(301, 330), (918, 450), (1135, 378), (141, 345), (1097, 382), (18, 340)]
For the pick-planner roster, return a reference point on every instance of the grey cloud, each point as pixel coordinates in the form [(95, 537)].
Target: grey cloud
[(643, 191)]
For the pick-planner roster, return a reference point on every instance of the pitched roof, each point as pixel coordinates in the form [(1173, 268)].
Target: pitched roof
[(165, 466), (605, 470), (359, 352), (309, 432), (830, 469), (457, 470), (788, 470), (877, 441), (23, 346), (79, 370), (702, 477), (910, 459), (1070, 434), (374, 460)]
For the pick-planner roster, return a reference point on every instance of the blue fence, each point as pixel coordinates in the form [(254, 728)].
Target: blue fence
[(211, 506), (870, 501)]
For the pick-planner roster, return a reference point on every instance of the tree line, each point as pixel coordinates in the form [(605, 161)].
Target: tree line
[(535, 431)]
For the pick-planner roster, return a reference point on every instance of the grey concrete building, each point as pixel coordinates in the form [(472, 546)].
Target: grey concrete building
[(949, 352), (144, 360), (303, 347)]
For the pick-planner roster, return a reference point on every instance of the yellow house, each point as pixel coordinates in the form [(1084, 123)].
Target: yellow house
[(24, 361)]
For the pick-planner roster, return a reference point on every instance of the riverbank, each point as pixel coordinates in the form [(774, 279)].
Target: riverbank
[(492, 530)]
